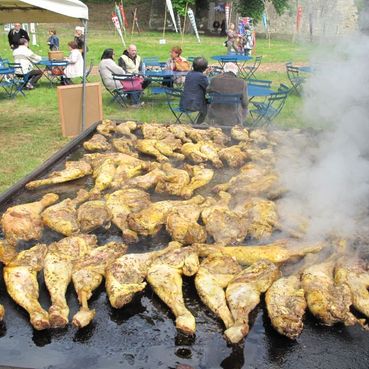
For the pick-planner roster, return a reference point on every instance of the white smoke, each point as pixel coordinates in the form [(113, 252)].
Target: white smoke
[(327, 174)]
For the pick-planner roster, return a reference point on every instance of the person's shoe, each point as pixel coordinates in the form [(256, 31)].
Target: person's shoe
[(29, 86)]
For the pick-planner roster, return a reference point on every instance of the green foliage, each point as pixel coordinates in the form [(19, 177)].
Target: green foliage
[(255, 8), (180, 5)]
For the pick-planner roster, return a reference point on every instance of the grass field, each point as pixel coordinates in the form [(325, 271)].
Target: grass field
[(29, 126)]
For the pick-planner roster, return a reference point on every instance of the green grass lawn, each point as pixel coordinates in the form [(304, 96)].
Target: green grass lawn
[(29, 126)]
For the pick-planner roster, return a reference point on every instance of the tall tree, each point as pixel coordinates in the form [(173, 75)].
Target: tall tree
[(255, 8)]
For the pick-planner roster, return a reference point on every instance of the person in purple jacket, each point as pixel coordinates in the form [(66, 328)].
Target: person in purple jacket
[(196, 83)]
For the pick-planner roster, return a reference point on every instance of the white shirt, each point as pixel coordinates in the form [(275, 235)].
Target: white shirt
[(75, 66), (25, 57)]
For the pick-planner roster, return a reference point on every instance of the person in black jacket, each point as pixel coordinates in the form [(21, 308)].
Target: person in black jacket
[(193, 97), (15, 35)]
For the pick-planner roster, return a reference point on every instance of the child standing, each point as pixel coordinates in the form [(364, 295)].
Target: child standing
[(53, 40)]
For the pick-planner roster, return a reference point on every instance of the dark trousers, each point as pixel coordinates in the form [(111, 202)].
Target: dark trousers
[(135, 97), (32, 77)]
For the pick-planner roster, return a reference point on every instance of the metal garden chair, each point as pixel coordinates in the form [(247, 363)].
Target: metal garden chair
[(251, 70), (18, 81), (263, 113), (173, 100), (297, 81), (120, 94)]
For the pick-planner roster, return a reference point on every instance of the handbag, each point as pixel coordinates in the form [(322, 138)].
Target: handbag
[(182, 66), (132, 84)]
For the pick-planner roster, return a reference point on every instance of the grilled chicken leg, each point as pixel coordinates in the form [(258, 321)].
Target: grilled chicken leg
[(243, 295), (124, 202), (165, 277), (354, 274), (328, 302), (62, 217), (23, 222), (126, 275), (20, 276), (73, 170), (58, 273), (214, 274), (277, 252), (88, 274), (286, 306)]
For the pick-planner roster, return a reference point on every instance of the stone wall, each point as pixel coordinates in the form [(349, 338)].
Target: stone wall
[(320, 18)]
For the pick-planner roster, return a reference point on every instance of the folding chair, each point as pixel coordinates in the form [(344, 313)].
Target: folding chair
[(156, 86), (266, 111), (215, 70), (297, 81), (88, 72), (259, 82), (251, 70), (19, 80), (173, 100), (215, 98), (121, 95)]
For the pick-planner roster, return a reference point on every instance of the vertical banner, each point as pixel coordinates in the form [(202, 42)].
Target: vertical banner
[(226, 10), (298, 18), (123, 14), (191, 17), (264, 19), (117, 12), (179, 23), (171, 12), (115, 20)]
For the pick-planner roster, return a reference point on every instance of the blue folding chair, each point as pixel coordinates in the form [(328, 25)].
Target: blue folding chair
[(251, 70), (120, 94), (19, 80), (260, 83), (263, 113), (297, 81), (220, 99), (173, 100)]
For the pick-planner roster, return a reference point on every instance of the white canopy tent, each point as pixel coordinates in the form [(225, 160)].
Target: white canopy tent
[(48, 11)]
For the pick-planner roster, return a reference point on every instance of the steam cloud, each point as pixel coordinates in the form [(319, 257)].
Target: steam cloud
[(327, 174)]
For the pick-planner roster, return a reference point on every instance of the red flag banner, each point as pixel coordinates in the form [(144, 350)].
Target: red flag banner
[(298, 18), (123, 14)]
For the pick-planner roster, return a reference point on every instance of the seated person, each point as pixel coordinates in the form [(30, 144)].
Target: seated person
[(193, 98), (131, 62), (172, 64), (107, 68), (75, 64), (228, 83), (26, 57)]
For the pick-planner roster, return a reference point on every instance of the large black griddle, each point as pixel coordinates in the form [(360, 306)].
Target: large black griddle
[(143, 334)]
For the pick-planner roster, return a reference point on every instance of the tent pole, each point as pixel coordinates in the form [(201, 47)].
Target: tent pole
[(84, 22)]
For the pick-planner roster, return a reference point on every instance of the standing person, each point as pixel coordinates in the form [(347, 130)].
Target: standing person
[(107, 68), (15, 35), (228, 83), (53, 40), (132, 63), (79, 38), (75, 64), (231, 35), (223, 28), (249, 43), (25, 57), (193, 97)]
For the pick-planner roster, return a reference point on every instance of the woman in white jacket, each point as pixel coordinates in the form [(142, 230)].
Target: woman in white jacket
[(75, 64)]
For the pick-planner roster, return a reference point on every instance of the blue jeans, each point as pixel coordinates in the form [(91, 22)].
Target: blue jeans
[(134, 97)]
